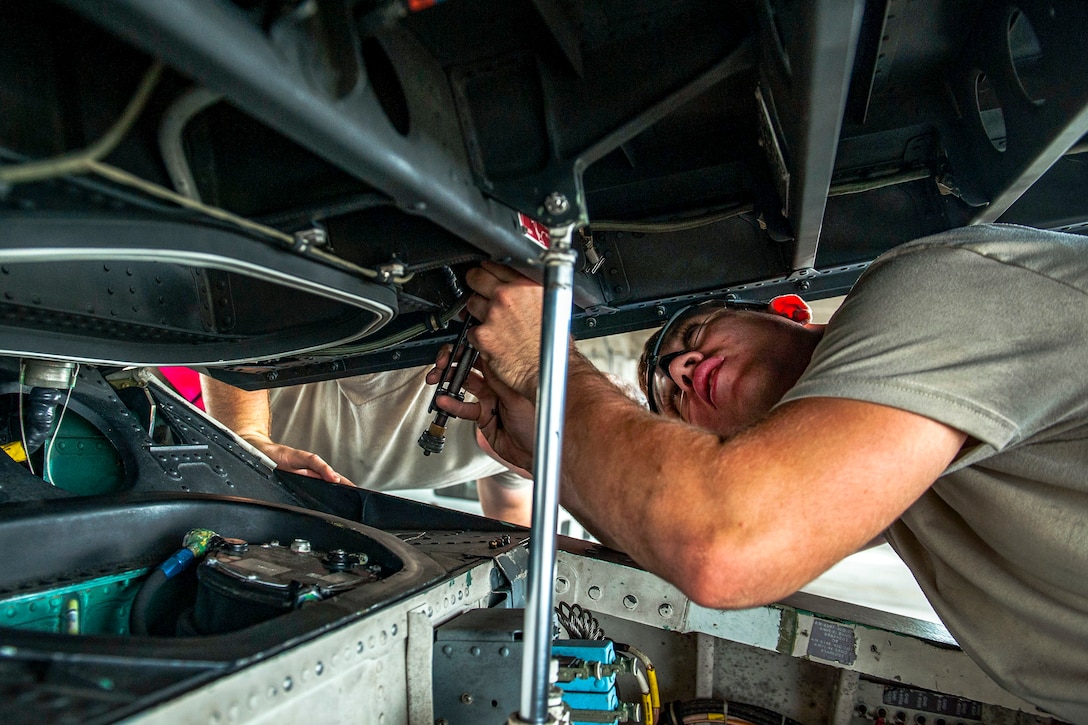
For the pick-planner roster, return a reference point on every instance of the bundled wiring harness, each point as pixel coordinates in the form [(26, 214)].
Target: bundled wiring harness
[(720, 712)]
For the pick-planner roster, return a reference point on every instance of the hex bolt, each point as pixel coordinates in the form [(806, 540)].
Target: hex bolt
[(556, 204)]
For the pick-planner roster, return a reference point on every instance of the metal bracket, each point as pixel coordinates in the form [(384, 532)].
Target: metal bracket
[(418, 668)]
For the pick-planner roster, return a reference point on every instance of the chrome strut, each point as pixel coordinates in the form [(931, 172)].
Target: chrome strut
[(550, 405)]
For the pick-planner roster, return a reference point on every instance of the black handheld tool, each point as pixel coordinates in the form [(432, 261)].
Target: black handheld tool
[(433, 440)]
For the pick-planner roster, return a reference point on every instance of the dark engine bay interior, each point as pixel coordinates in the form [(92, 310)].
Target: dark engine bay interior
[(292, 190), (283, 191), (175, 551)]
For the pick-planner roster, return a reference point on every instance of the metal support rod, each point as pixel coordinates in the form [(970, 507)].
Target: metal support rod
[(551, 407)]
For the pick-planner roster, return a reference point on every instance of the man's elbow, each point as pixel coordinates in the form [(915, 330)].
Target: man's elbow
[(714, 590), (724, 577)]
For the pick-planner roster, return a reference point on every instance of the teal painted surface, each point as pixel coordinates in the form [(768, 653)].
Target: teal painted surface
[(96, 606), (82, 460)]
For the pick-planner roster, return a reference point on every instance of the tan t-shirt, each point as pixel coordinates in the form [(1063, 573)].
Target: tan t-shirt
[(367, 428), (985, 329)]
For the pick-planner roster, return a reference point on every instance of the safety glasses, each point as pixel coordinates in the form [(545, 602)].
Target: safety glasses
[(683, 333)]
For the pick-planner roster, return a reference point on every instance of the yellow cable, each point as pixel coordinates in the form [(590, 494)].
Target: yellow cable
[(655, 695), (647, 709)]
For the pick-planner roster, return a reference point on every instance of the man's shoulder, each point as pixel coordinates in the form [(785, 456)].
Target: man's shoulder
[(1005, 243)]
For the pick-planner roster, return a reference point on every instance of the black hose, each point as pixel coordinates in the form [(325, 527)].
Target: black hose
[(143, 605), (40, 413)]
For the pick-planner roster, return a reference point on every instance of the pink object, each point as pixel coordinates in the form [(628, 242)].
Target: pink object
[(187, 382)]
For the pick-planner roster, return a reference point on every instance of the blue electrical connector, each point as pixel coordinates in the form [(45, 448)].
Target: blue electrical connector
[(589, 693)]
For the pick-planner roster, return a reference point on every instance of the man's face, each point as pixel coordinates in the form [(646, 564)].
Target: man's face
[(725, 368)]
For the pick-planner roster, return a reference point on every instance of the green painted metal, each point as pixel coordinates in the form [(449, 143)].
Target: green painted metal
[(96, 606), (81, 460)]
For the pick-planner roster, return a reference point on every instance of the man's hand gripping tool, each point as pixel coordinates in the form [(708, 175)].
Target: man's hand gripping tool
[(433, 440)]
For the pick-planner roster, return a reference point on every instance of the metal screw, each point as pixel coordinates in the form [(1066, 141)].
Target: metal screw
[(659, 311), (556, 204), (466, 698), (591, 322), (665, 610), (803, 284)]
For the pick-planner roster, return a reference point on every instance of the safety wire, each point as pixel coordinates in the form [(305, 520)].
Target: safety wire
[(89, 160), (47, 455)]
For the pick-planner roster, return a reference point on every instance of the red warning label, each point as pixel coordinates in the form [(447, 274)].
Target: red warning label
[(534, 230)]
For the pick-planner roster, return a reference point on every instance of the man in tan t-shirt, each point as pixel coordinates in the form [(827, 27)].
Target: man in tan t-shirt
[(362, 431)]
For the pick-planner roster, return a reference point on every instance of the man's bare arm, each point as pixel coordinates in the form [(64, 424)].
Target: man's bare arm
[(246, 412), (733, 522), (748, 520), (514, 505)]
